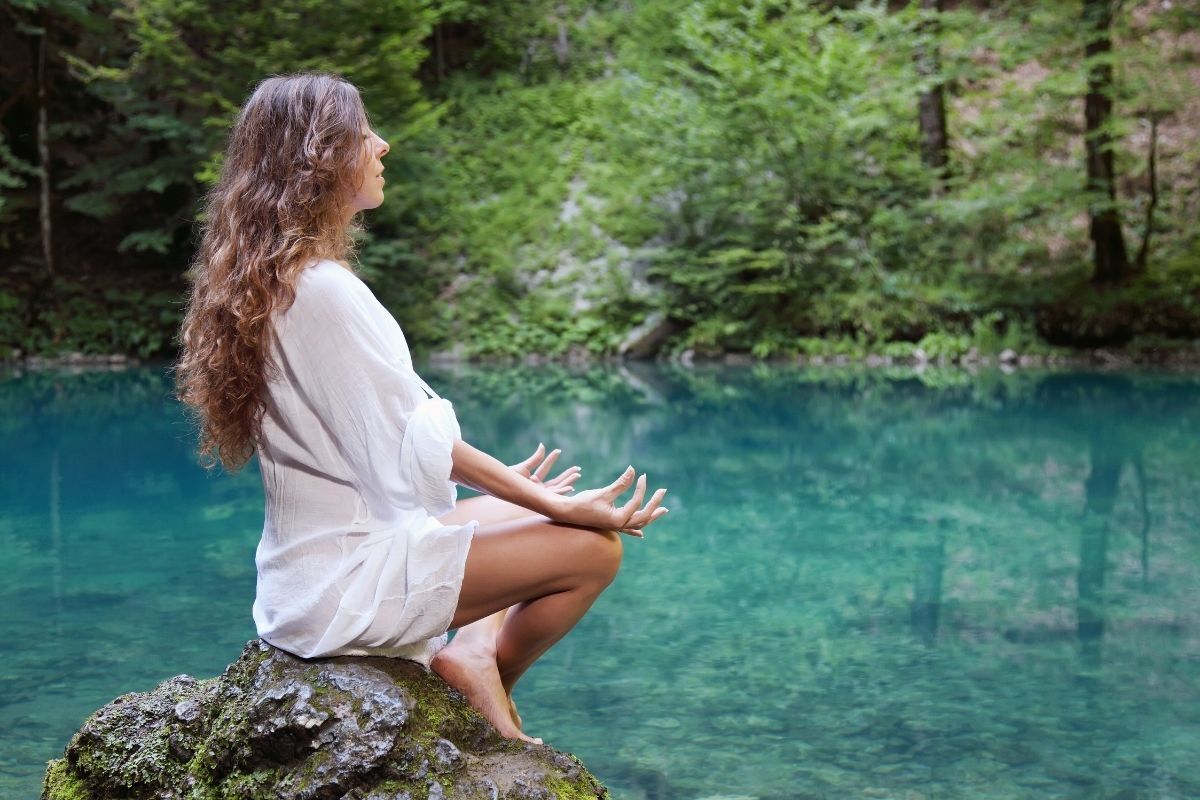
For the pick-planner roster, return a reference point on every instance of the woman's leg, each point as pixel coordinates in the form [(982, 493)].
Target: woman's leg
[(527, 582), (547, 575), (486, 510)]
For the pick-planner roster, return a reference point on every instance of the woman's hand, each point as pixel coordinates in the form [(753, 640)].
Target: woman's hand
[(597, 508), (538, 465), (521, 484)]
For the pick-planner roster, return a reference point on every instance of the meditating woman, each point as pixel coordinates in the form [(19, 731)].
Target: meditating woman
[(286, 353)]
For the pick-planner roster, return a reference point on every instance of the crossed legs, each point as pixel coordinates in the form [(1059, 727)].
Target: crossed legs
[(528, 580)]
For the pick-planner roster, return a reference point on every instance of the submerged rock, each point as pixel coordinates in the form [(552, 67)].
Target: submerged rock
[(276, 726)]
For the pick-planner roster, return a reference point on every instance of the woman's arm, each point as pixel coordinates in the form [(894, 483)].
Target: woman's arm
[(477, 470), (592, 508)]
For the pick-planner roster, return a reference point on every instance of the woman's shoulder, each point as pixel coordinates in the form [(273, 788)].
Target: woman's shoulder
[(330, 294), (333, 305), (326, 291), (334, 280), (329, 275)]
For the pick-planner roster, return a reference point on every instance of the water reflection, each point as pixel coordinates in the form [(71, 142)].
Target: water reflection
[(870, 582), (1110, 413), (988, 518), (927, 588)]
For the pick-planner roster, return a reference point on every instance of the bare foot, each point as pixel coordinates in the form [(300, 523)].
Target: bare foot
[(512, 707), (474, 673)]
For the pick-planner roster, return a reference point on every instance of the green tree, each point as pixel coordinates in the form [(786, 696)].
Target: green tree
[(1108, 241), (931, 108), (189, 67), (770, 139)]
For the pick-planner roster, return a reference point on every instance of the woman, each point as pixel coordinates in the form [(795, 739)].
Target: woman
[(286, 353)]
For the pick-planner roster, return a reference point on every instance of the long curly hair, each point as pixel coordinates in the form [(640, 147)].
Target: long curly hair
[(292, 166)]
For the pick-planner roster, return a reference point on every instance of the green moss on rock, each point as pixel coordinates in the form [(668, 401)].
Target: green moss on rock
[(61, 784), (276, 726)]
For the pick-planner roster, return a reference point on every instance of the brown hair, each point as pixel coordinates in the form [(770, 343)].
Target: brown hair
[(291, 167)]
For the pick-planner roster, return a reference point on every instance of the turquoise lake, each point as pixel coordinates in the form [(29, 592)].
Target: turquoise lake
[(875, 584)]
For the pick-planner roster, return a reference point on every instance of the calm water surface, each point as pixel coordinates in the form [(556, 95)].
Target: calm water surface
[(869, 585)]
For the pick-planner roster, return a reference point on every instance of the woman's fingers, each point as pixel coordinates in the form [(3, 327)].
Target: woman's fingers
[(637, 529), (644, 516), (562, 483), (599, 507), (618, 487), (630, 508), (526, 467), (544, 469), (565, 478), (658, 514)]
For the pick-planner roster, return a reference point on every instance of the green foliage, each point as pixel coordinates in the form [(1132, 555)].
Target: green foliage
[(899, 351), (942, 346), (15, 173), (768, 133), (994, 332), (186, 70), (12, 327), (562, 171), (79, 319)]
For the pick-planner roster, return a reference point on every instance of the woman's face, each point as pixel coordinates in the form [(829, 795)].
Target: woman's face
[(370, 183)]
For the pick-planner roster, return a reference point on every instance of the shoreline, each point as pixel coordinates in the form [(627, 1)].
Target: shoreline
[(1181, 359)]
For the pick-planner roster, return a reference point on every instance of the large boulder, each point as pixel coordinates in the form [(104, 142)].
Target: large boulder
[(276, 726)]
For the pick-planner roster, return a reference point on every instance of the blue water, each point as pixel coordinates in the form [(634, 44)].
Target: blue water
[(871, 584)]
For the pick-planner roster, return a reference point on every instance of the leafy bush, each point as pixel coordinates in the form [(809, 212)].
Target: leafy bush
[(126, 320), (942, 346)]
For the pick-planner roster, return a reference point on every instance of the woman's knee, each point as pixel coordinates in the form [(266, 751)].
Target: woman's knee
[(604, 556), (591, 557)]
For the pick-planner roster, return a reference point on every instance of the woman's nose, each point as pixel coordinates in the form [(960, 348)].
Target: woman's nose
[(383, 147)]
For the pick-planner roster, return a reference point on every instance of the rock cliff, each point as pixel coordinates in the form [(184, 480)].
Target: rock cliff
[(276, 726)]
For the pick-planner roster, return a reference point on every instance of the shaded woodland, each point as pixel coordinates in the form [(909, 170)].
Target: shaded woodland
[(582, 178)]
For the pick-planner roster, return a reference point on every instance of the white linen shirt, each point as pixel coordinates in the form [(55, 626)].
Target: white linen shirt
[(355, 464)]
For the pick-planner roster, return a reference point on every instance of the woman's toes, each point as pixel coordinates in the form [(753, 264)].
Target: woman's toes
[(531, 739)]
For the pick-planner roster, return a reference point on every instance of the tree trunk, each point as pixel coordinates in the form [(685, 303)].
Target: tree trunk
[(1109, 256), (1139, 263), (439, 49), (931, 105), (562, 45), (43, 147)]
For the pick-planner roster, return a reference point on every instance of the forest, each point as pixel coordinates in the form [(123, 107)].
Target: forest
[(580, 179)]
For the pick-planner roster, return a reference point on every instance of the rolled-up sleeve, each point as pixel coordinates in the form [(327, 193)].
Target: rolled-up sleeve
[(425, 461), (349, 363)]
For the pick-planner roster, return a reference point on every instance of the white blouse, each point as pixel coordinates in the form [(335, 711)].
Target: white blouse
[(355, 463)]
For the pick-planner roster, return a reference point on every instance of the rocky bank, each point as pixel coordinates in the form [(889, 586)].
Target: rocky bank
[(276, 726)]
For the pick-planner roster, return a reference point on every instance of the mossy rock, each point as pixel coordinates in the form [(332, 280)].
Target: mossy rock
[(277, 726)]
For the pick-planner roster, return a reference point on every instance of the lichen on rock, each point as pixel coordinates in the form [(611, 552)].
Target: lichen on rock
[(277, 726)]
